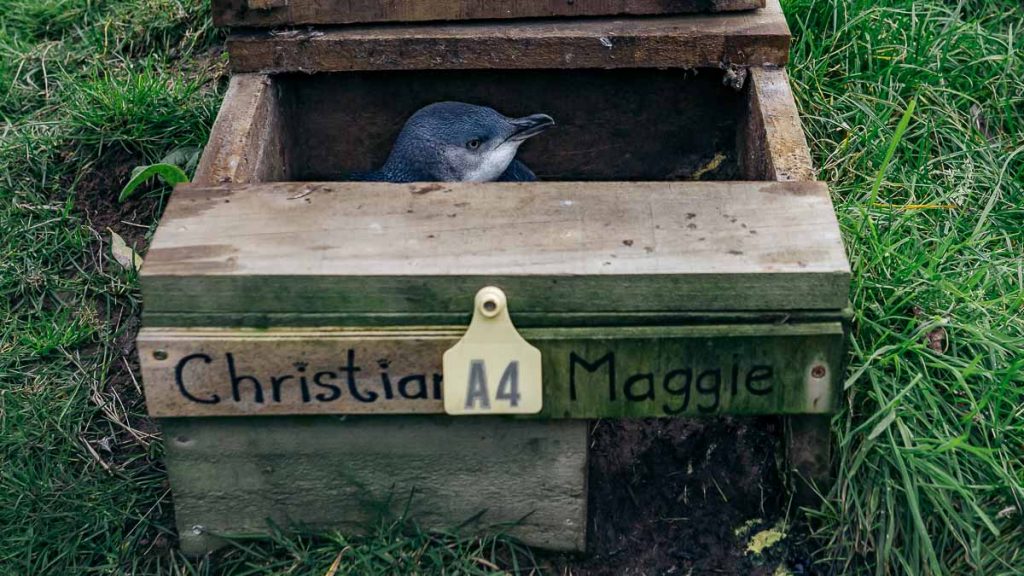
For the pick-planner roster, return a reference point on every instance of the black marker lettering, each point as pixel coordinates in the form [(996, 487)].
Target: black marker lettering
[(350, 369), (735, 376), (682, 391), (646, 394), (303, 384), (385, 381), (335, 391), (180, 368), (421, 387), (237, 380), (757, 374), (608, 358), (715, 388), (275, 385)]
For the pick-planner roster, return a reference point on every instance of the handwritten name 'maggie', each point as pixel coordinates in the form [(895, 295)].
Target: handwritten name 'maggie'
[(314, 385)]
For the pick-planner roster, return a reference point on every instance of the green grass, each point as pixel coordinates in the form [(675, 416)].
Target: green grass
[(931, 440), (931, 475)]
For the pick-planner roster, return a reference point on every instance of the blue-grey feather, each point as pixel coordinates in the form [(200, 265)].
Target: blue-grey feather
[(415, 156)]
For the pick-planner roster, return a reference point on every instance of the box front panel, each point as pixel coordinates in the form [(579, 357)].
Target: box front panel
[(243, 476), (587, 373)]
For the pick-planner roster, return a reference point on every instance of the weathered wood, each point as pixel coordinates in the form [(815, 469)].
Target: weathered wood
[(269, 13), (242, 319), (599, 247), (753, 38), (246, 144), (772, 143), (232, 475), (588, 373), (264, 4), (808, 457)]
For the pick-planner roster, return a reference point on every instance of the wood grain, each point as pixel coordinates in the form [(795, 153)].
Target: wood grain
[(246, 143), (808, 457), (550, 319), (772, 143), (741, 38), (553, 246), (587, 372), (234, 476), (268, 13)]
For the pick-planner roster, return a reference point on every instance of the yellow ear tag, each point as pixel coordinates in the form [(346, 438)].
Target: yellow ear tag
[(492, 369)]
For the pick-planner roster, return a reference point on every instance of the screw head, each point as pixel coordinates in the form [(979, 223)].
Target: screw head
[(818, 371), (160, 354)]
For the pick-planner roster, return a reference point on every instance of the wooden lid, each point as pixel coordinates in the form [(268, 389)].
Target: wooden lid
[(756, 38), (269, 13), (553, 247)]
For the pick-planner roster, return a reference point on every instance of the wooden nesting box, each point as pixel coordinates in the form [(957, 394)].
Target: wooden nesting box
[(677, 259), (257, 13)]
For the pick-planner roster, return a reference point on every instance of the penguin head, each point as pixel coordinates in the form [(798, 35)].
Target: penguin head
[(457, 142)]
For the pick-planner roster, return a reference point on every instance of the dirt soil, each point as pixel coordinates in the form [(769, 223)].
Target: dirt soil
[(96, 192), (684, 497)]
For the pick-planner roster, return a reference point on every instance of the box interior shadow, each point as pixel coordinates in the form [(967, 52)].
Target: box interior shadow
[(611, 124)]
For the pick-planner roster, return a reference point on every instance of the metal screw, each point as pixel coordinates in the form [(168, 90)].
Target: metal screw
[(818, 371), (198, 530), (160, 354), (490, 306)]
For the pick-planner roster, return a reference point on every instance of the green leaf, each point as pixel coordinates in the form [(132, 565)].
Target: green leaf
[(187, 157), (169, 173)]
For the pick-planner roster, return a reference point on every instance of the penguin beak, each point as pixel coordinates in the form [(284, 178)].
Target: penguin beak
[(529, 126)]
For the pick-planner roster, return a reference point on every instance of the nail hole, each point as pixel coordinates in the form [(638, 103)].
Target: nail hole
[(160, 354)]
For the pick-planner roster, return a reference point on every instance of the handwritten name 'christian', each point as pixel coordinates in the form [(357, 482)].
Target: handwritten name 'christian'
[(320, 385)]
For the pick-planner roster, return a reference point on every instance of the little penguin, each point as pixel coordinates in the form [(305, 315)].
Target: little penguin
[(458, 142)]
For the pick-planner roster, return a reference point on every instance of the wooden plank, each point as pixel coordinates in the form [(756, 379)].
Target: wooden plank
[(245, 144), (232, 476), (773, 144), (265, 4), (740, 38), (808, 457), (268, 13), (310, 248), (553, 319), (588, 373)]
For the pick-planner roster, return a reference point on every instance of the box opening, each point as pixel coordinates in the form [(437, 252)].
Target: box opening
[(633, 125)]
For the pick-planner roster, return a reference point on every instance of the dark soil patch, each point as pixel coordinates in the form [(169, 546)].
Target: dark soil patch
[(668, 497), (96, 192), (96, 200)]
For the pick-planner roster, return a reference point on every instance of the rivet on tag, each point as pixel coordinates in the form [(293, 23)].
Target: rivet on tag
[(492, 369)]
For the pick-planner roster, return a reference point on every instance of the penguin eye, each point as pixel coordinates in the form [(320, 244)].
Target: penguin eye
[(473, 144)]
